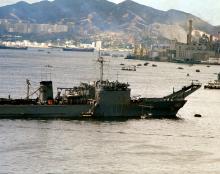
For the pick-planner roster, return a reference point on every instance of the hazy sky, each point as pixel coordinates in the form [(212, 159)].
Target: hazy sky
[(208, 10)]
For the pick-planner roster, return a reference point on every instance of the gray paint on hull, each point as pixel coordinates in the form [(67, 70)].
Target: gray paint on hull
[(158, 108), (43, 111)]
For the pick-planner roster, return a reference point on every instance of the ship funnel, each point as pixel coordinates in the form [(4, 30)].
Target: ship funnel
[(46, 91), (211, 38), (189, 35)]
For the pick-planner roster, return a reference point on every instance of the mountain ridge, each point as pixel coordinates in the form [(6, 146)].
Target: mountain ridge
[(92, 16)]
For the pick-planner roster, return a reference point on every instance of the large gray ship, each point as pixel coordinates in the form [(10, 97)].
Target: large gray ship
[(101, 100)]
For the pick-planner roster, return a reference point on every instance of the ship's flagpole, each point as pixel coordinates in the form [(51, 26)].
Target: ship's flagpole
[(28, 88), (101, 61)]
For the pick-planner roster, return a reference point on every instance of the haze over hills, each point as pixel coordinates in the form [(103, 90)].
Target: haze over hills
[(95, 16)]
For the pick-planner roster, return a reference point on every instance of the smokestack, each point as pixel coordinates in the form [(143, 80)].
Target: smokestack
[(211, 39), (189, 36)]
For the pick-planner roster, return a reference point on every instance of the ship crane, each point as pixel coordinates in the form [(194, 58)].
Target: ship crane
[(28, 90)]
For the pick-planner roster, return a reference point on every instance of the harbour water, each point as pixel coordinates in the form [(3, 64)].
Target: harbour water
[(187, 145)]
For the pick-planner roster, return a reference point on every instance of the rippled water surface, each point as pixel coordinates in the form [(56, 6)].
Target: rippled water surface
[(187, 145)]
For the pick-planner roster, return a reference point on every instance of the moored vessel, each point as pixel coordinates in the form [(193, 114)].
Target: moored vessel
[(13, 47), (129, 68), (79, 49)]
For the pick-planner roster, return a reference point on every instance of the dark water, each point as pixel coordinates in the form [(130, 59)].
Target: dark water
[(188, 145)]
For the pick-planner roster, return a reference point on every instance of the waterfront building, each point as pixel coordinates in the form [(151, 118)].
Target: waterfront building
[(192, 51)]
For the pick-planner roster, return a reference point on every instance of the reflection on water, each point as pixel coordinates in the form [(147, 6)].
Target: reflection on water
[(187, 145)]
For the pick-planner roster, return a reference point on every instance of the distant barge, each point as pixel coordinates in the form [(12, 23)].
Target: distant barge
[(78, 49), (13, 47)]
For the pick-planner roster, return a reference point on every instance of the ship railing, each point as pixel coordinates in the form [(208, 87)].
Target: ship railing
[(185, 91), (112, 86)]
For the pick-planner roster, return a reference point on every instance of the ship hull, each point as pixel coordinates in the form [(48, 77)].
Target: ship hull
[(79, 49), (13, 48), (43, 111), (160, 108), (149, 109)]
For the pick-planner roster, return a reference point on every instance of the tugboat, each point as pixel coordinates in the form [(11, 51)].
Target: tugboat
[(102, 100), (213, 85), (146, 63)]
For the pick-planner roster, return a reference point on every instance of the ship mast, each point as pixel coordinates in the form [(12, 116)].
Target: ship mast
[(101, 61), (28, 88)]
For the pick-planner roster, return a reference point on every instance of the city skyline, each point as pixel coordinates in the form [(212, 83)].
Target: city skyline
[(207, 9)]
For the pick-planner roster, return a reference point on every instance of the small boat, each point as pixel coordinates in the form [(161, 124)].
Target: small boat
[(129, 68), (180, 68), (198, 115), (139, 64), (122, 64), (154, 65), (197, 70), (146, 63), (213, 85)]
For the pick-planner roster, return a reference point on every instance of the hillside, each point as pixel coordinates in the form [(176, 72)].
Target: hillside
[(94, 16)]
